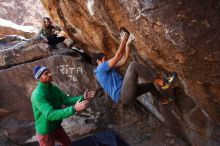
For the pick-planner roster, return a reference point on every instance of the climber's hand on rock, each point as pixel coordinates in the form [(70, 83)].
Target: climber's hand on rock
[(130, 39), (123, 36)]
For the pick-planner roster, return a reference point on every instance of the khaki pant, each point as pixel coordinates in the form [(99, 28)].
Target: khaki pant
[(130, 87)]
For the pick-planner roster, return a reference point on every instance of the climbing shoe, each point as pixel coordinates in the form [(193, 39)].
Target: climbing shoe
[(168, 80), (165, 86)]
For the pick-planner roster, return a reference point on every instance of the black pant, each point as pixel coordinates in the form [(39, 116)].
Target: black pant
[(132, 89), (53, 40), (148, 87)]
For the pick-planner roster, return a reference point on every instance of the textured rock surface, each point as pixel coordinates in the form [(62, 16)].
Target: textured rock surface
[(16, 50), (181, 36), (20, 83), (17, 55), (22, 13), (10, 31), (73, 75), (27, 13)]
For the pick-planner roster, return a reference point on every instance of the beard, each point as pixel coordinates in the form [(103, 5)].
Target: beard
[(47, 80), (50, 79)]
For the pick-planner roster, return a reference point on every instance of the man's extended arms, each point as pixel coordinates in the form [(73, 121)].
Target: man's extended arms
[(113, 61), (124, 58)]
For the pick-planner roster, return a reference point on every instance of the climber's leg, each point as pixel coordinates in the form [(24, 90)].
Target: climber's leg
[(130, 83), (150, 87), (131, 89)]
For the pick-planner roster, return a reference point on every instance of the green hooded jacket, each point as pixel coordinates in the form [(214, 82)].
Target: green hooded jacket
[(47, 101)]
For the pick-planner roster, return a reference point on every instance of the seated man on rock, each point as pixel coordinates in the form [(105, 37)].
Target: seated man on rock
[(126, 89), (48, 31), (47, 101)]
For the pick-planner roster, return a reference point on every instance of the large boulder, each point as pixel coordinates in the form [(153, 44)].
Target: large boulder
[(71, 75), (21, 12), (74, 77), (180, 36), (22, 51), (133, 123), (10, 31), (21, 17)]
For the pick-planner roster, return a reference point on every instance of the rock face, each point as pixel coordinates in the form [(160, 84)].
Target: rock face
[(15, 56), (27, 13), (134, 124), (69, 71), (180, 36), (20, 13), (10, 31)]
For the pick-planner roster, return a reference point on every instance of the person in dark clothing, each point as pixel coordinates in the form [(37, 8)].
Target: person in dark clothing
[(48, 31), (126, 89)]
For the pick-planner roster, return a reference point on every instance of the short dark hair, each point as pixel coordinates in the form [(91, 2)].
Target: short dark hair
[(46, 18), (97, 56)]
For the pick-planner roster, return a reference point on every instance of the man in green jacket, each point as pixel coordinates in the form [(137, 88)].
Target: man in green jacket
[(47, 101)]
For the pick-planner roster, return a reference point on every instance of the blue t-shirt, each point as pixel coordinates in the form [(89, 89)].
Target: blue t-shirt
[(110, 80)]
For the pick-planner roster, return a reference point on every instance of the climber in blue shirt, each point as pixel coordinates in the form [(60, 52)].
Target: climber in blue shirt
[(126, 89)]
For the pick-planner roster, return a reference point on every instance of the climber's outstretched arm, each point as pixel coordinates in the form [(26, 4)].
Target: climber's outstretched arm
[(125, 56), (118, 55)]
